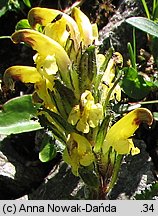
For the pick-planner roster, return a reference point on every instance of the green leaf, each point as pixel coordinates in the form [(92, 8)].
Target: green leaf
[(154, 50), (101, 134), (131, 54), (134, 85), (55, 131), (3, 7), (89, 177), (63, 98), (144, 24), (19, 115), (48, 151), (3, 3), (148, 193), (87, 68), (22, 24), (156, 83), (14, 5), (27, 3), (3, 11), (61, 122), (146, 8), (155, 13), (155, 114)]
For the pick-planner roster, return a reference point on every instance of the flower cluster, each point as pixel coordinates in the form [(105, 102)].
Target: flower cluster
[(75, 83)]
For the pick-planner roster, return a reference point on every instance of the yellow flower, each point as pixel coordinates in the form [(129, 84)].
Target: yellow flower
[(84, 25), (46, 66), (87, 114), (46, 48), (119, 134), (27, 74), (57, 31), (77, 27), (78, 152), (60, 20), (42, 89), (108, 79)]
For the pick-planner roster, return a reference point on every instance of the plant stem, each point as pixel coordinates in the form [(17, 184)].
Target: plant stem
[(154, 7), (146, 8), (110, 92), (76, 4), (5, 37), (134, 49), (40, 2), (115, 171), (145, 102)]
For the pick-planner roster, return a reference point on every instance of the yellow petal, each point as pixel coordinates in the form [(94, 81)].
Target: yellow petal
[(95, 33), (43, 45), (72, 160), (42, 90), (125, 127), (100, 61), (109, 77), (79, 152), (57, 31), (126, 147), (95, 115), (87, 114), (87, 98), (46, 46), (44, 16), (87, 159), (84, 26), (109, 73), (74, 115), (24, 74), (46, 65), (83, 143), (83, 125)]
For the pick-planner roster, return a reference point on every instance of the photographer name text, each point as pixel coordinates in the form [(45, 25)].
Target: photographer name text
[(53, 208)]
